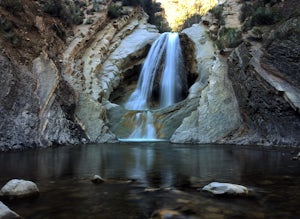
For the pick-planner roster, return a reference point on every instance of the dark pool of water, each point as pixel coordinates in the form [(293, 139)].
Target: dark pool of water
[(175, 171)]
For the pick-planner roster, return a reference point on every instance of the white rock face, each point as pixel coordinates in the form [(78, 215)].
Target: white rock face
[(218, 188), (6, 213), (122, 58), (19, 188), (217, 114)]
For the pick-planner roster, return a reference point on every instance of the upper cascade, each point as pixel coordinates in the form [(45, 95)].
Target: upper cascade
[(164, 64), (163, 70)]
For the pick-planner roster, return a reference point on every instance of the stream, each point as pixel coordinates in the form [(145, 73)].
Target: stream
[(141, 178)]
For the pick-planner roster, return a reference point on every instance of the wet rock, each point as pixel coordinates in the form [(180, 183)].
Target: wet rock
[(296, 157), (212, 209), (6, 213), (152, 189), (166, 214), (97, 179), (18, 188), (215, 216), (217, 188), (171, 214)]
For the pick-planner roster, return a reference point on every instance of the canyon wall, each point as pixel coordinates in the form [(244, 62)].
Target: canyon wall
[(58, 97), (217, 114), (265, 79), (70, 91)]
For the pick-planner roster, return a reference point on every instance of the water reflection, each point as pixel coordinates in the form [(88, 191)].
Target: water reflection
[(63, 177), (145, 162)]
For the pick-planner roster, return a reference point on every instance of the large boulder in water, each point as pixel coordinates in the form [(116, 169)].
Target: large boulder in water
[(218, 188), (18, 188), (6, 213)]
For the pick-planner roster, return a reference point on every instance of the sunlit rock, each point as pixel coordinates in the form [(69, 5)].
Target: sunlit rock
[(217, 188), (6, 213), (18, 188)]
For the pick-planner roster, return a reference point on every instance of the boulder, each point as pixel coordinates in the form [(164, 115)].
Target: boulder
[(6, 213), (166, 213), (97, 179), (218, 188), (171, 214), (18, 188)]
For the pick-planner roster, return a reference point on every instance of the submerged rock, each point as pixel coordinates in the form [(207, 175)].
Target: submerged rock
[(166, 213), (218, 188), (6, 213), (18, 188), (97, 179)]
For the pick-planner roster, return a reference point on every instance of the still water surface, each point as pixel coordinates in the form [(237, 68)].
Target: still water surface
[(163, 176)]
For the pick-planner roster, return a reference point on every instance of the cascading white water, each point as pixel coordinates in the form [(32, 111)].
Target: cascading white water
[(144, 126), (171, 83), (165, 52), (139, 98)]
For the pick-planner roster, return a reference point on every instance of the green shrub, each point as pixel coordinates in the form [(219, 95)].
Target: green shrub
[(114, 11), (5, 25), (13, 38), (131, 2), (247, 25), (217, 11), (7, 30), (89, 21), (59, 31), (265, 16), (66, 10), (228, 38), (12, 5), (78, 16), (246, 11)]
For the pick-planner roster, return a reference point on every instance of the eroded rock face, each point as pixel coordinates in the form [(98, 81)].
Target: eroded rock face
[(52, 104), (266, 86), (100, 68), (57, 123), (217, 113), (18, 106), (37, 107), (93, 114)]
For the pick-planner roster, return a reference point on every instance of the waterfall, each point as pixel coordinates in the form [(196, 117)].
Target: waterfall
[(171, 84), (163, 64), (144, 126), (140, 97)]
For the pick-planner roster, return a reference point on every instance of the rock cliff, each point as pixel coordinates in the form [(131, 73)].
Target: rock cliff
[(217, 114), (265, 78), (263, 68), (55, 94), (63, 85)]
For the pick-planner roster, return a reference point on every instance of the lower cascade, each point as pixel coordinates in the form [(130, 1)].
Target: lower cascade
[(163, 77)]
